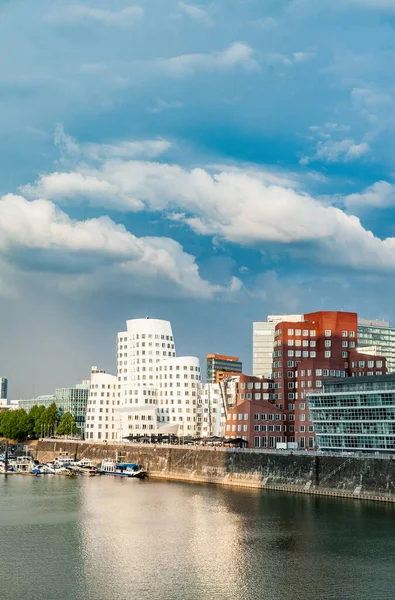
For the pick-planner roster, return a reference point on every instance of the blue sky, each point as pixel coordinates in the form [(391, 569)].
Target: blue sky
[(209, 163)]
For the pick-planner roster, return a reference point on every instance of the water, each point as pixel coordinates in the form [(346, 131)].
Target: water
[(105, 539)]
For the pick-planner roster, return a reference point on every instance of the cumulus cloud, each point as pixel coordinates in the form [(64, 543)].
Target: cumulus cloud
[(236, 55), (93, 248), (196, 13), (379, 195), (244, 207), (77, 13)]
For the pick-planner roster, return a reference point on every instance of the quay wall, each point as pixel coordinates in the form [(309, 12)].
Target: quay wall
[(347, 476)]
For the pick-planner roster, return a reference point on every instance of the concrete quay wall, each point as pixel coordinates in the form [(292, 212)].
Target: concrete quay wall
[(347, 476)]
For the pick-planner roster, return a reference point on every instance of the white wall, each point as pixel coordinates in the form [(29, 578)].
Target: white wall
[(104, 397)]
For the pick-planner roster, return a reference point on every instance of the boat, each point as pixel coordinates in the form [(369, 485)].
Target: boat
[(121, 469)]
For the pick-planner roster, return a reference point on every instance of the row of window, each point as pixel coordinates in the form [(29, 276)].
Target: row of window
[(267, 428)]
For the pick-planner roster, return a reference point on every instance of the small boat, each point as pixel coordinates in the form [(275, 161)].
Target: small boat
[(118, 469), (88, 471)]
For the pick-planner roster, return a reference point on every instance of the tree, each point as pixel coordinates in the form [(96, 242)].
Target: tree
[(67, 425), (15, 425), (36, 418), (49, 418)]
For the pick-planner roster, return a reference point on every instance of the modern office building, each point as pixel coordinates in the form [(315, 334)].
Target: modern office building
[(71, 399), (306, 354), (156, 392), (3, 389), (219, 364), (355, 414), (263, 343), (377, 338)]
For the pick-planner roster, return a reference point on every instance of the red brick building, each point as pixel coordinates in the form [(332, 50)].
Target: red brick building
[(258, 422), (305, 354)]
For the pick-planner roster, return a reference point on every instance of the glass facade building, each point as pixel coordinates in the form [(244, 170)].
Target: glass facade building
[(377, 338), (73, 400), (221, 362), (355, 414)]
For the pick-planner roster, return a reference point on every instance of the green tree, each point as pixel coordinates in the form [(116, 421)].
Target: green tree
[(49, 419), (15, 425), (36, 415), (67, 425)]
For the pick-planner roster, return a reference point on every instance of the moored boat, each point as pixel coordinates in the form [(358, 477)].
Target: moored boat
[(118, 469)]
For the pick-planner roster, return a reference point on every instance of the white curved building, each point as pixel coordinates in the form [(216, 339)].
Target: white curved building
[(104, 397), (146, 342), (155, 391), (178, 381)]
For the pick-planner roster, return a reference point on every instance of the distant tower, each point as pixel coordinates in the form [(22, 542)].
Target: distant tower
[(3, 388)]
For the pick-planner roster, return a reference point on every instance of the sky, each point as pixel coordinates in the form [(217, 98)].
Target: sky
[(207, 163)]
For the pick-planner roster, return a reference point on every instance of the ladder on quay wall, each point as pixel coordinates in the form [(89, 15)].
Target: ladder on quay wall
[(339, 468)]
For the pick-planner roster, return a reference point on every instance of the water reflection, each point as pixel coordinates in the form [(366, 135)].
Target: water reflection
[(100, 539)]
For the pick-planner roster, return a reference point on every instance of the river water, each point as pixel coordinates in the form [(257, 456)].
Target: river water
[(105, 539)]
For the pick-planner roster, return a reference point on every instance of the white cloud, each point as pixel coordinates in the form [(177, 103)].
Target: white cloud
[(379, 195), (125, 149), (237, 54), (162, 105), (245, 207), (300, 57), (67, 187), (102, 250), (69, 148), (76, 13), (331, 150), (274, 58), (196, 13)]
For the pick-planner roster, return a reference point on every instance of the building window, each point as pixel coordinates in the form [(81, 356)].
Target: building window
[(290, 331), (327, 353), (256, 417), (345, 344), (257, 427), (302, 442), (344, 333), (257, 441), (328, 333), (328, 343)]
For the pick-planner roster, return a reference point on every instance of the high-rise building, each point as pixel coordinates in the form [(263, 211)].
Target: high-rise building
[(3, 388), (377, 338), (355, 414), (263, 343), (218, 364), (306, 353), (156, 391)]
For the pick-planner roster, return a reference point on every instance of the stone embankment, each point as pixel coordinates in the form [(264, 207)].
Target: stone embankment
[(369, 478)]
